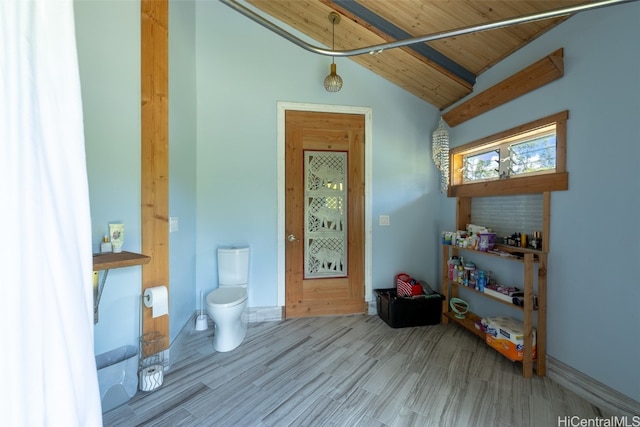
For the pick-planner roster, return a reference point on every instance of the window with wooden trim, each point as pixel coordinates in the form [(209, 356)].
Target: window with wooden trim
[(532, 153), (498, 164)]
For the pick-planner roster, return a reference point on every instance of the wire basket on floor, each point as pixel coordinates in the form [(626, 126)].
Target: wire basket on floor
[(151, 366)]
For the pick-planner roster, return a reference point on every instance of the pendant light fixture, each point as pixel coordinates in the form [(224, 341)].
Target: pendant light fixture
[(440, 153), (333, 82)]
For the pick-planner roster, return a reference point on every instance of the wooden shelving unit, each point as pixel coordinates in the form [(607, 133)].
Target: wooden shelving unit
[(450, 290), (529, 259), (108, 260)]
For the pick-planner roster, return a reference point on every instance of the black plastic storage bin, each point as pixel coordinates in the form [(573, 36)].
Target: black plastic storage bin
[(401, 312)]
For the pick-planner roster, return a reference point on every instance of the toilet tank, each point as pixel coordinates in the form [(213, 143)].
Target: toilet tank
[(233, 266)]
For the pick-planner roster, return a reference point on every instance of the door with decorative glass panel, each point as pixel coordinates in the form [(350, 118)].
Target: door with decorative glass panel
[(324, 214)]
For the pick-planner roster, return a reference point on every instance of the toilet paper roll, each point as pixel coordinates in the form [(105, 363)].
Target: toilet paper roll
[(151, 377), (158, 299)]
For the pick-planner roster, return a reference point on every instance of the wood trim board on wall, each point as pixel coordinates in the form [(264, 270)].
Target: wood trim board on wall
[(536, 75), (155, 155)]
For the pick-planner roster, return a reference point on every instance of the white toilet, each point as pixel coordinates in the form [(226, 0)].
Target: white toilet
[(226, 305)]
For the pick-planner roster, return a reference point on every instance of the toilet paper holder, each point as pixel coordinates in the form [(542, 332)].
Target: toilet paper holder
[(157, 298)]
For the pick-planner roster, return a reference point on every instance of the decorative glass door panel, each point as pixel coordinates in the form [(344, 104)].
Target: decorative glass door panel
[(325, 232)]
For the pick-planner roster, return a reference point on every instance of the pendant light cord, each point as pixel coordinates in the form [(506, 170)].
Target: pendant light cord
[(333, 38)]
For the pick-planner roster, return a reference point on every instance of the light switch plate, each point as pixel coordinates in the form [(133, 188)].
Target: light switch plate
[(384, 220), (173, 224)]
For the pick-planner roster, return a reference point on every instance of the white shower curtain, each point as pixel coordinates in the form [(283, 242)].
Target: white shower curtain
[(47, 366)]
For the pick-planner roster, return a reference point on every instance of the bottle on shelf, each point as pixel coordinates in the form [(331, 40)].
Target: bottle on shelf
[(452, 264), (105, 246), (482, 281), (460, 274)]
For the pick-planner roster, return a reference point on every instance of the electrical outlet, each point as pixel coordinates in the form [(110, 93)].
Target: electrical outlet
[(384, 220)]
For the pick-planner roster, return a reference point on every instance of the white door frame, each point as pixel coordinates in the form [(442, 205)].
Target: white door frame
[(368, 153)]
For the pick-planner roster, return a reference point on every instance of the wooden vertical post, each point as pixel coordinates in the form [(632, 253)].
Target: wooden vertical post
[(444, 269), (541, 336), (527, 360), (155, 154), (463, 213)]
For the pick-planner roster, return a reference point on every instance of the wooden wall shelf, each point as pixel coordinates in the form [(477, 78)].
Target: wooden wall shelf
[(108, 260), (105, 262)]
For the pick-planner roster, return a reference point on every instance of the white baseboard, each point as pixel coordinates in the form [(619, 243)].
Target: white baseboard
[(265, 314), (276, 314), (372, 307), (611, 401)]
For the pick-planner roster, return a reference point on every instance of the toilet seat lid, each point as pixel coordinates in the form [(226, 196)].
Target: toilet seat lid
[(227, 297)]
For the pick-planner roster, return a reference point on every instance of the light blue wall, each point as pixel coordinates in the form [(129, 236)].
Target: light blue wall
[(182, 160), (243, 71), (108, 35), (594, 297)]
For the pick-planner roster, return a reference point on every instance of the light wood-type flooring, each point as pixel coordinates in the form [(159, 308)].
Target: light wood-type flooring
[(348, 371)]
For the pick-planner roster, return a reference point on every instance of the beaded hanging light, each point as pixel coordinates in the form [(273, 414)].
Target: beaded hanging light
[(440, 153), (333, 82)]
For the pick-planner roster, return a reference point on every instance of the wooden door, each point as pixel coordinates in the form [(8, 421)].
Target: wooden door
[(324, 214)]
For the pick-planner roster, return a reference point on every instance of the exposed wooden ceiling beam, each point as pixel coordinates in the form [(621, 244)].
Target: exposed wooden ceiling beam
[(393, 33)]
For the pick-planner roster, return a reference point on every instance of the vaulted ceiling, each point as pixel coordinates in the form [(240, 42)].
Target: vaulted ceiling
[(441, 71)]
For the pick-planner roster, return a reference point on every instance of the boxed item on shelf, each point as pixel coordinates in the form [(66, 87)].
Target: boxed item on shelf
[(505, 293), (509, 294), (481, 325), (402, 312), (487, 241), (507, 336)]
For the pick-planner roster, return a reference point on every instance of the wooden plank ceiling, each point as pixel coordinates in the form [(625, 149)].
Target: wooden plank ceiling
[(440, 72)]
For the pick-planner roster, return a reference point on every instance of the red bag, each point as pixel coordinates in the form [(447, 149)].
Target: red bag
[(416, 289), (406, 286)]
